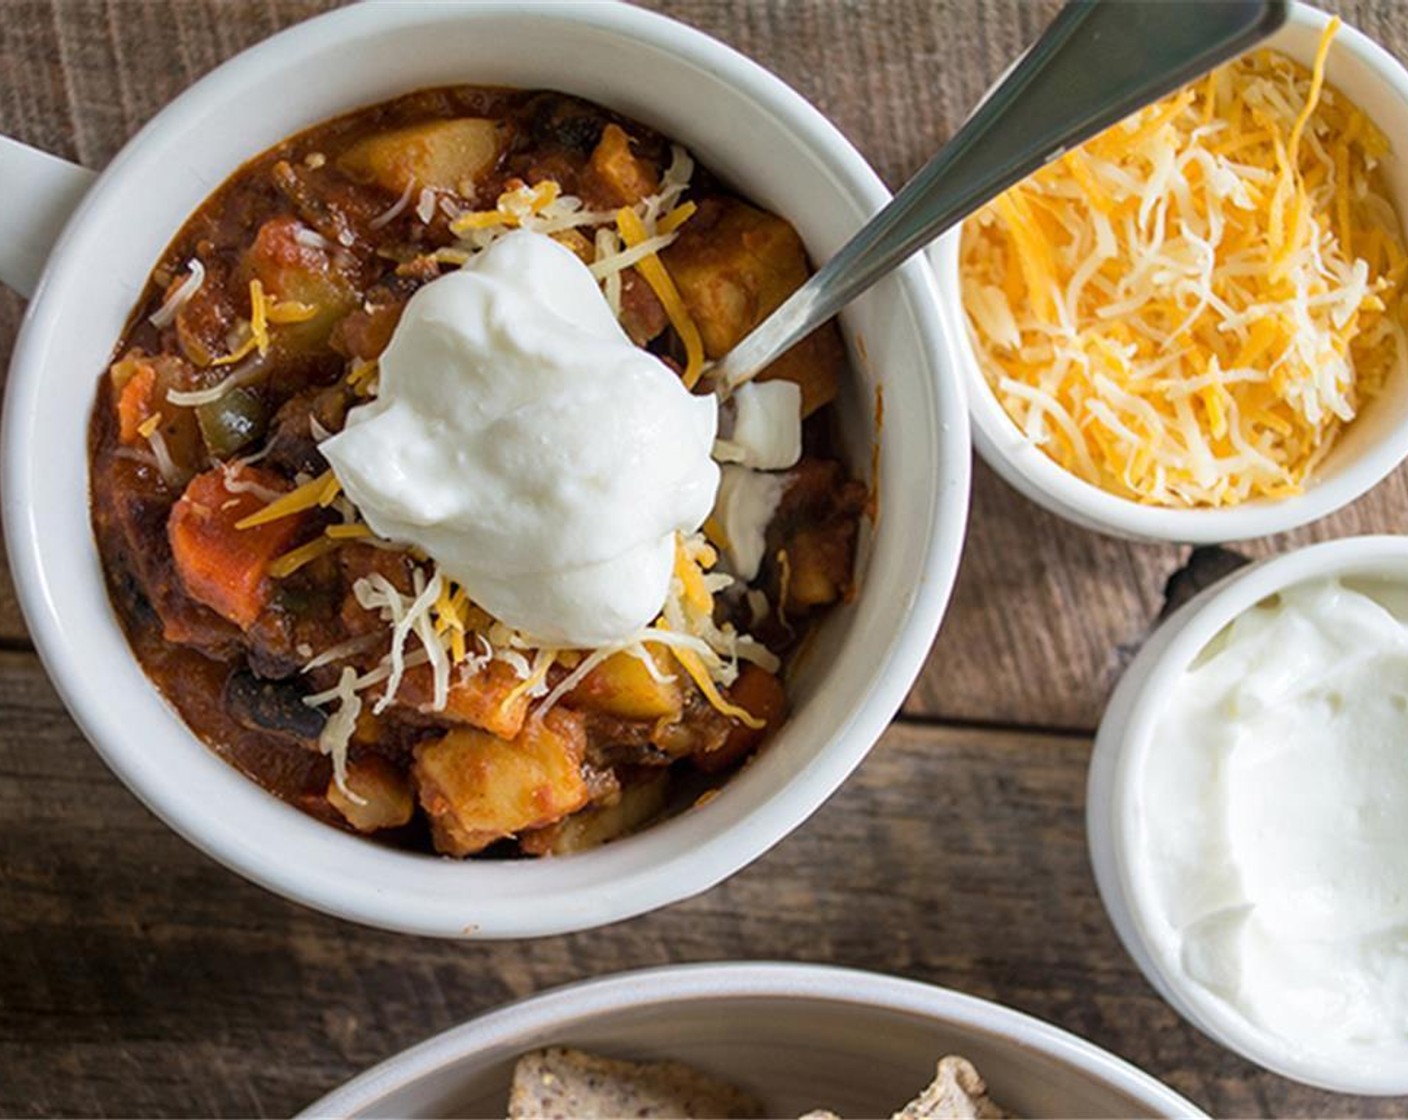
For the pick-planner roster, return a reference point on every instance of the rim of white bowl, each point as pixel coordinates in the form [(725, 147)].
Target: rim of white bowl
[(1206, 616), (1024, 466), (527, 1021), (487, 901)]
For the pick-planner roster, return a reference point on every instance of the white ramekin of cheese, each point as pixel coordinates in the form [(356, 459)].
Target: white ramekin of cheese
[(1369, 447), (1247, 813)]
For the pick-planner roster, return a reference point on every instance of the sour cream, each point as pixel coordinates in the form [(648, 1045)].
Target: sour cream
[(1273, 828), (521, 440)]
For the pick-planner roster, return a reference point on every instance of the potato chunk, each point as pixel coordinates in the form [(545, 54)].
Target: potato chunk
[(621, 176), (734, 265), (448, 155), (599, 824), (490, 699), (623, 686), (477, 788), (384, 791), (821, 559)]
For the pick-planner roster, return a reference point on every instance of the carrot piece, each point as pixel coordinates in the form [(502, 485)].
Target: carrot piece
[(221, 566), (761, 694), (134, 403)]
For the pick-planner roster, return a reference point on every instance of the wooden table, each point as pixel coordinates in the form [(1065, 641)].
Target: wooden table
[(137, 977)]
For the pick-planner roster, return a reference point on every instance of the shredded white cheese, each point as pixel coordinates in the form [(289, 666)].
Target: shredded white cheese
[(165, 315)]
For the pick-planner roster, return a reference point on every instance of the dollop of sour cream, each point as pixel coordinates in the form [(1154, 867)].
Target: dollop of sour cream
[(521, 440), (1274, 825)]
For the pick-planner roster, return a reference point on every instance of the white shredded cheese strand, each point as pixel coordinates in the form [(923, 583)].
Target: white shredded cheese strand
[(389, 215), (164, 463), (247, 371), (165, 315), (340, 650), (603, 267), (337, 731)]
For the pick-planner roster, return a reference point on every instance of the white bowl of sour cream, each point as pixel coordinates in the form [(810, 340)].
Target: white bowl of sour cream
[(1248, 813), (738, 120)]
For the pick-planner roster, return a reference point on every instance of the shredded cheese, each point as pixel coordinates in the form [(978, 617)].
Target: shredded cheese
[(284, 566), (304, 497), (633, 233), (1189, 309), (338, 730), (391, 213), (179, 296), (453, 634), (196, 397)]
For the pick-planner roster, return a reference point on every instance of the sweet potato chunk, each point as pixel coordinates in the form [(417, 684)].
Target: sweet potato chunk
[(221, 566), (733, 265), (760, 694), (477, 788), (620, 175), (385, 795), (623, 686), (815, 364), (448, 155), (484, 699)]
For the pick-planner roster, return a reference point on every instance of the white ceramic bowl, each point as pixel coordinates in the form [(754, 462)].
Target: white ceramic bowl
[(740, 121), (799, 1036), (1371, 447), (1121, 748)]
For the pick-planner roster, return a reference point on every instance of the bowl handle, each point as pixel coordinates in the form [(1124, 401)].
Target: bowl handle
[(40, 192)]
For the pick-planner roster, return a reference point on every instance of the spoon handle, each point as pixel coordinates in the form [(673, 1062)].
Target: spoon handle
[(1098, 62)]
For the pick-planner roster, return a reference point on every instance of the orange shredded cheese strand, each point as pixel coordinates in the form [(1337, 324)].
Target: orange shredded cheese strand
[(295, 501), (544, 662), (677, 217), (290, 562), (262, 312), (331, 489), (290, 311), (538, 198), (700, 675), (691, 577), (633, 232), (354, 532)]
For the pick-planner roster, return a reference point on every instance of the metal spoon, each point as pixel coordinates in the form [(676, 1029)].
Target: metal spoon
[(1098, 62)]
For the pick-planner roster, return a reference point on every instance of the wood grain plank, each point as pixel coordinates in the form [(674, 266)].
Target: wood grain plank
[(143, 979)]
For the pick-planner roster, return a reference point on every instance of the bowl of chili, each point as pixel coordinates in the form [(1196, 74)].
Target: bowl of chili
[(758, 136)]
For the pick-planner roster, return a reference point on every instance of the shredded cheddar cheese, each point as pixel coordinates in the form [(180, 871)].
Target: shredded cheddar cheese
[(633, 233), (303, 498), (285, 565), (437, 625), (262, 312), (511, 208), (1187, 310)]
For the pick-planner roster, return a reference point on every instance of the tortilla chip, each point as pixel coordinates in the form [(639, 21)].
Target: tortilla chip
[(958, 1093), (563, 1084)]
